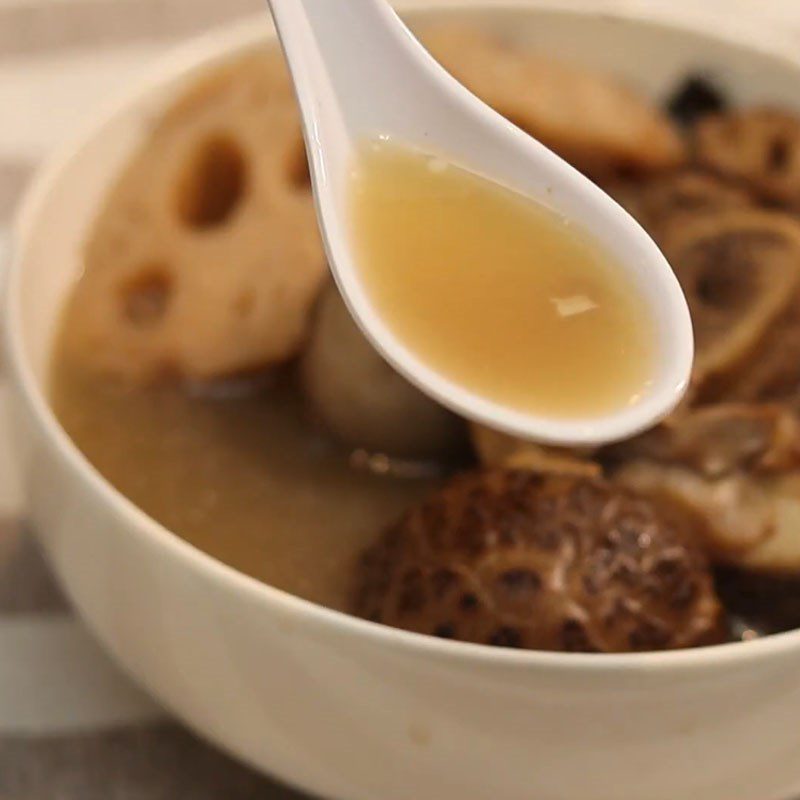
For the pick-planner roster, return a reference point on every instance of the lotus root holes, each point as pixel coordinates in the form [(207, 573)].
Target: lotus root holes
[(145, 298), (213, 184), (717, 290), (729, 280)]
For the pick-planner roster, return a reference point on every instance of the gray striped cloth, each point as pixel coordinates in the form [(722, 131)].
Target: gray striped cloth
[(71, 727)]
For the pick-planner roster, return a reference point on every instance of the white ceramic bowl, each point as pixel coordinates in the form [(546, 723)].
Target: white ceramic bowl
[(338, 706)]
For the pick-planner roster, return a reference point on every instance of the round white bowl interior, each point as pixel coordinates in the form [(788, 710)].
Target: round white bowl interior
[(344, 708)]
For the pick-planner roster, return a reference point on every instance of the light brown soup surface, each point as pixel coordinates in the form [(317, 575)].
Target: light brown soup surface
[(245, 478)]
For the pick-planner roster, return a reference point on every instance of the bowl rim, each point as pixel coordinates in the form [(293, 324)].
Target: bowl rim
[(200, 53)]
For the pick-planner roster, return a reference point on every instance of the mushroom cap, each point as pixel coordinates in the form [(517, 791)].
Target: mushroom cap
[(508, 557)]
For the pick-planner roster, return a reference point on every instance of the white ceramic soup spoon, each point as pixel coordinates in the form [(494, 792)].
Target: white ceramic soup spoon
[(359, 74)]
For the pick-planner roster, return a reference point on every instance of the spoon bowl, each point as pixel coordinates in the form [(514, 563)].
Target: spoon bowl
[(360, 74)]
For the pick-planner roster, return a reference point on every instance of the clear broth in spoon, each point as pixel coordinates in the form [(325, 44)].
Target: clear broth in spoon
[(496, 292)]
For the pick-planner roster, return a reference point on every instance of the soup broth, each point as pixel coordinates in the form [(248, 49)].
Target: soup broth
[(243, 477), (496, 292)]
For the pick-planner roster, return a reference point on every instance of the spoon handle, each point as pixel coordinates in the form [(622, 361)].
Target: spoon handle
[(355, 65)]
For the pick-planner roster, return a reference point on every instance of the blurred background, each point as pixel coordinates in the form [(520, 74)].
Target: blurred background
[(71, 727)]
